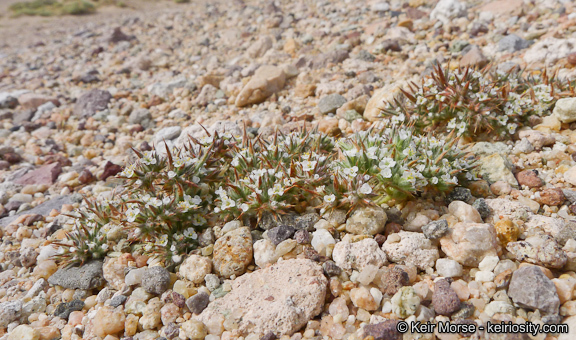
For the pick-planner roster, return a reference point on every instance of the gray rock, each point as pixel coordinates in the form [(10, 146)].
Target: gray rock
[(445, 300), (466, 310), (435, 229), (459, 194), (365, 56), (269, 221), (167, 133), (280, 233), (140, 116), (156, 280), (117, 300), (482, 207), (91, 102), (88, 276), (570, 195), (10, 311), (64, 309), (302, 236), (306, 221), (197, 303), (512, 43), (331, 103), (331, 268), (22, 117), (41, 209), (7, 101), (334, 57), (530, 288)]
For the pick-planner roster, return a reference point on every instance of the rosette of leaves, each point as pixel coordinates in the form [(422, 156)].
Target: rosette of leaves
[(475, 103), (393, 165), (274, 176)]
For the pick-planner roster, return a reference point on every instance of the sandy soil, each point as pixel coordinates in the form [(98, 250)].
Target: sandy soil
[(27, 30)]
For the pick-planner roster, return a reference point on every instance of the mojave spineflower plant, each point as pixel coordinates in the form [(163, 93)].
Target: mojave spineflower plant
[(167, 200), (476, 103)]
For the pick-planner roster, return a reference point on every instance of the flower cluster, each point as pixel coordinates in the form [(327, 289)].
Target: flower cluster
[(473, 103), (168, 200), (392, 165)]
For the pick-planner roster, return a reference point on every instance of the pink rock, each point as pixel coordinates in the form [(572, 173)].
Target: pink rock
[(503, 7), (33, 100), (46, 174), (280, 299)]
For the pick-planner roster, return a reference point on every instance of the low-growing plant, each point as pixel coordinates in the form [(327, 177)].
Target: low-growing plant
[(474, 103), (168, 199)]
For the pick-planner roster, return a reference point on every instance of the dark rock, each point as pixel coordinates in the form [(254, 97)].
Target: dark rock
[(302, 236), (64, 309), (466, 310), (197, 303), (12, 157), (171, 330), (110, 169), (118, 36), (445, 300), (269, 336), (459, 194), (483, 208), (156, 280), (391, 45), (435, 229), (269, 221), (88, 276), (306, 221), (383, 331), (8, 102), (91, 102), (281, 233), (86, 177), (4, 165), (391, 279), (331, 269), (117, 300), (46, 174), (380, 239), (531, 289)]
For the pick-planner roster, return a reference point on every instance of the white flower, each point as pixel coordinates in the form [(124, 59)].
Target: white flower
[(365, 189), (386, 172), (276, 190), (227, 203), (434, 180), (176, 258), (308, 165), (166, 200), (244, 207), (387, 162), (351, 153), (131, 214), (329, 198), (198, 220), (171, 174), (320, 188)]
